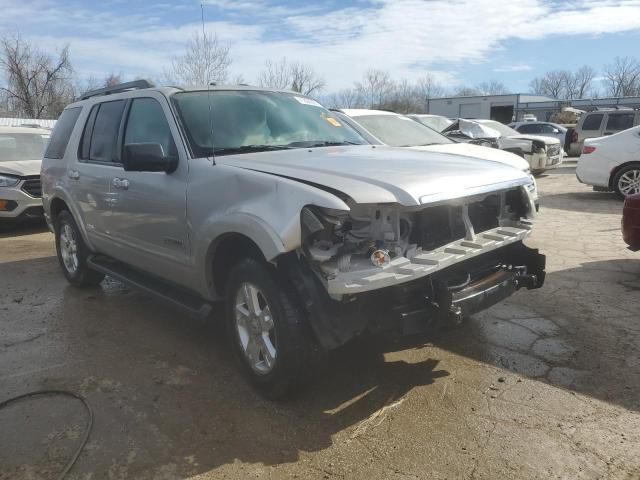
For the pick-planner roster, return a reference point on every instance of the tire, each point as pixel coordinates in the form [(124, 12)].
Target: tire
[(72, 253), (273, 339), (627, 180)]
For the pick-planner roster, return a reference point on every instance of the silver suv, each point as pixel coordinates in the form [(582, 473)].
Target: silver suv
[(265, 200)]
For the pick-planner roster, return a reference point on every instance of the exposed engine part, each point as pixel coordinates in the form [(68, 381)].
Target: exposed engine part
[(386, 235)]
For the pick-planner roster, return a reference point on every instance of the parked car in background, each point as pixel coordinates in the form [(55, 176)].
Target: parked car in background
[(265, 199), (21, 152), (543, 129), (600, 123), (612, 163), (540, 152), (388, 128), (437, 122), (631, 221)]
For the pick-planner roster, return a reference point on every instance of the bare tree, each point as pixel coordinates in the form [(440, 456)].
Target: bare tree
[(304, 79), (465, 91), (583, 78), (552, 84), (427, 88), (204, 61), (346, 98), (622, 77), (112, 79), (294, 76), (37, 85), (375, 88), (492, 87), (275, 75)]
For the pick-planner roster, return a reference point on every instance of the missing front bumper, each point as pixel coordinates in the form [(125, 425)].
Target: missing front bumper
[(445, 296)]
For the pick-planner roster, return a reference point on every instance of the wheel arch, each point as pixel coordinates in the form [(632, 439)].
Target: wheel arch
[(615, 171), (226, 251)]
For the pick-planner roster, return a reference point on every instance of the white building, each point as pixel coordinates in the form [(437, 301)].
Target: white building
[(503, 108)]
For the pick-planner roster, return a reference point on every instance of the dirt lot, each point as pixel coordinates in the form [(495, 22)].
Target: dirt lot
[(546, 385)]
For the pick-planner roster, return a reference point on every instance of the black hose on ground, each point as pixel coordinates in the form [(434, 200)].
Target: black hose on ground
[(66, 393)]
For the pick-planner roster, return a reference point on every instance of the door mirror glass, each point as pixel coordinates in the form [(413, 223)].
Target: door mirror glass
[(147, 157)]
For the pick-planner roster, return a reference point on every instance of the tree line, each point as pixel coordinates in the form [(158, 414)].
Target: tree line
[(39, 85)]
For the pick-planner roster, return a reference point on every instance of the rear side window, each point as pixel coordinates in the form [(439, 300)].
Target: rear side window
[(529, 128), (62, 132), (101, 132), (620, 121), (592, 122)]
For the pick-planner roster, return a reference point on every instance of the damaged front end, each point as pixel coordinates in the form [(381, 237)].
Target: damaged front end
[(388, 267)]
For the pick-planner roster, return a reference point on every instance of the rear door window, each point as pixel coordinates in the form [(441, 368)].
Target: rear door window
[(620, 121), (62, 132), (104, 133), (592, 122)]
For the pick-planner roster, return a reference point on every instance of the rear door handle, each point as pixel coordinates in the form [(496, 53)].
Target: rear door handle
[(73, 174), (120, 183)]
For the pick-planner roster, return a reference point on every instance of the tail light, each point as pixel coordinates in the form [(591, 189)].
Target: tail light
[(588, 149), (574, 136)]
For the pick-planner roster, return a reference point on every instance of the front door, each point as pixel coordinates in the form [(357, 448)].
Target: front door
[(149, 215)]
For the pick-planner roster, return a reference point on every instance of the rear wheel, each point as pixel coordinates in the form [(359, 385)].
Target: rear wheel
[(269, 331), (73, 253), (627, 181)]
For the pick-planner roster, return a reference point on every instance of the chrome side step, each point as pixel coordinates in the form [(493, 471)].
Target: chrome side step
[(150, 284)]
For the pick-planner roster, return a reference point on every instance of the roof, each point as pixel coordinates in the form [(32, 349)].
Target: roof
[(359, 112), (34, 131), (14, 122)]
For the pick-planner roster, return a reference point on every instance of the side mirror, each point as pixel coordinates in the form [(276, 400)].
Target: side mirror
[(147, 157)]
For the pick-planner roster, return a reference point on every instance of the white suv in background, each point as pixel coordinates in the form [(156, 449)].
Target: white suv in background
[(21, 151)]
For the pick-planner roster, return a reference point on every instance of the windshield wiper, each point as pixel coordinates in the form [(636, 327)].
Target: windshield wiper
[(249, 149), (321, 143)]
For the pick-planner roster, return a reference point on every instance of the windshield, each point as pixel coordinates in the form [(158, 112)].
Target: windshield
[(398, 131), (22, 146), (244, 121), (500, 127), (434, 122)]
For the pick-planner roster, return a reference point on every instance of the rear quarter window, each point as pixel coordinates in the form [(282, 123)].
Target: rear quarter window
[(62, 132), (593, 122), (620, 121)]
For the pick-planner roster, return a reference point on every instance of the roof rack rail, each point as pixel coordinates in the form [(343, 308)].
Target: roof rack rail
[(120, 87)]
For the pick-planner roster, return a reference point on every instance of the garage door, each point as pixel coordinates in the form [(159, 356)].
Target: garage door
[(470, 110)]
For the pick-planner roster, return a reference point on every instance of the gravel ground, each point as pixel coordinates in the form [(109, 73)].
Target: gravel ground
[(545, 385)]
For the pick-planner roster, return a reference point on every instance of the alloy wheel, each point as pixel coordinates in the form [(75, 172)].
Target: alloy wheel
[(629, 182), (255, 327), (69, 249)]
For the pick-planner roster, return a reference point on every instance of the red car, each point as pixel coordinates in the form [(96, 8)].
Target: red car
[(631, 221)]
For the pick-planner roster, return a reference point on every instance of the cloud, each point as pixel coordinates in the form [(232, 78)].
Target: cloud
[(406, 37), (518, 67)]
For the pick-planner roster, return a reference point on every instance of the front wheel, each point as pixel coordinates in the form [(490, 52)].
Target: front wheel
[(269, 330), (73, 253), (627, 181)]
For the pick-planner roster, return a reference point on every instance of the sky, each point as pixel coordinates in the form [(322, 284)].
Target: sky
[(459, 42)]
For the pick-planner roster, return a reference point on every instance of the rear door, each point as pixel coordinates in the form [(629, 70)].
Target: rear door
[(90, 175), (149, 220)]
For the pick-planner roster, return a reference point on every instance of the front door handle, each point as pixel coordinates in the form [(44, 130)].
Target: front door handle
[(73, 174), (120, 183)]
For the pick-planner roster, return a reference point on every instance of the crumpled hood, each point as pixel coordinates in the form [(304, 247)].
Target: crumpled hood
[(477, 151), (378, 174), (21, 168)]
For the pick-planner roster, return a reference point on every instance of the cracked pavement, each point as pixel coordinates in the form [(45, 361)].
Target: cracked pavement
[(544, 385)]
